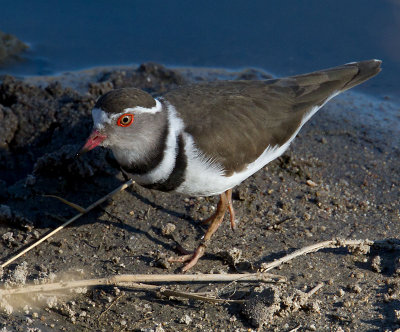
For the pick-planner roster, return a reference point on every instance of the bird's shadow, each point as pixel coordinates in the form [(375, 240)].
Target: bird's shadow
[(145, 200)]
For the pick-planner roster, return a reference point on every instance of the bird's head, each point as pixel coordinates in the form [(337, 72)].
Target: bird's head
[(126, 120)]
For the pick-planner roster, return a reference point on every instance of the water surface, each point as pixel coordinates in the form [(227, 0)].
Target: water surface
[(282, 37)]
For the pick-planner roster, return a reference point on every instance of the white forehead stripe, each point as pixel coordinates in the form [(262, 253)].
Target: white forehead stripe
[(140, 109), (99, 118)]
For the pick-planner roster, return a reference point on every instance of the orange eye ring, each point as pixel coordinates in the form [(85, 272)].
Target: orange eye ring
[(125, 120)]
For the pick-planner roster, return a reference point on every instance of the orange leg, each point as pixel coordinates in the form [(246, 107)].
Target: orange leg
[(215, 221), (228, 195), (230, 208)]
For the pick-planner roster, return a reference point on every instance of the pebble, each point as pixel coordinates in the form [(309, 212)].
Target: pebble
[(311, 183), (168, 229), (30, 180), (159, 328), (376, 264), (397, 315), (355, 288), (186, 319), (308, 233)]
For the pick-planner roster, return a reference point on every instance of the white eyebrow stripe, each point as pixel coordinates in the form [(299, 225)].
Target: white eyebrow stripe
[(140, 109), (100, 117)]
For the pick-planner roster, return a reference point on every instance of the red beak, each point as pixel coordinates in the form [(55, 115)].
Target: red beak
[(94, 140)]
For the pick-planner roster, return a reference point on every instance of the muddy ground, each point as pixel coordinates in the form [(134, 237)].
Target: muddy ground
[(339, 179)]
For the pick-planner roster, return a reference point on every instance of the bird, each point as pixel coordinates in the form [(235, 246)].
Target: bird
[(204, 139)]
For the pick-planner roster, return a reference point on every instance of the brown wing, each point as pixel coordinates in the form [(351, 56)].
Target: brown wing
[(233, 122)]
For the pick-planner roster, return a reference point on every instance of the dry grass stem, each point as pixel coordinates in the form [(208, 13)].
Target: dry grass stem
[(336, 243), (112, 303), (80, 214), (135, 280), (315, 289), (73, 205), (295, 329)]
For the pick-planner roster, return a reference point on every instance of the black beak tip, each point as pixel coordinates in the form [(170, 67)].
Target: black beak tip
[(80, 152)]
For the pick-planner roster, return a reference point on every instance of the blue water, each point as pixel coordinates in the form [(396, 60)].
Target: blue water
[(282, 37)]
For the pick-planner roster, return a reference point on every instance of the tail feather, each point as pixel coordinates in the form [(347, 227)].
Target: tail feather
[(318, 87), (366, 70)]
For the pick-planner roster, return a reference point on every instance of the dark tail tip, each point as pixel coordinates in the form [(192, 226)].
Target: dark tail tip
[(366, 70)]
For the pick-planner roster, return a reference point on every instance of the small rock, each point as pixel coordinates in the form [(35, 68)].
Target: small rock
[(19, 274), (159, 328), (261, 307), (116, 259), (311, 183), (356, 289), (397, 267), (185, 320), (6, 307), (8, 238), (233, 256), (161, 260), (376, 264), (313, 306), (168, 229), (359, 275), (397, 315), (117, 291), (30, 180), (51, 302), (308, 233)]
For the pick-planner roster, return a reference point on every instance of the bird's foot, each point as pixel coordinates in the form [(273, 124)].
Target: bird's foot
[(192, 258), (225, 203)]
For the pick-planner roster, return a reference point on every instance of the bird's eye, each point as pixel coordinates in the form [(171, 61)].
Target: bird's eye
[(125, 120)]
